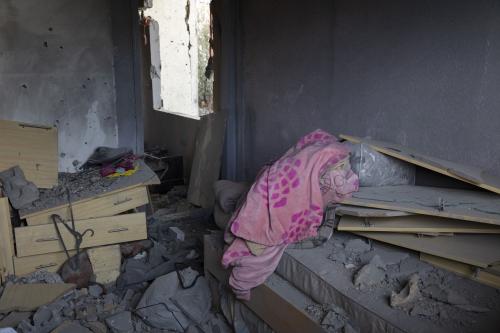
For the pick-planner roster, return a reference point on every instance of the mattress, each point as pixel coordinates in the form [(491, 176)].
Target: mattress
[(328, 281)]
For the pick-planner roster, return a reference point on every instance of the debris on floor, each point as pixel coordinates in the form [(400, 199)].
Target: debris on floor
[(99, 253), (159, 285), (105, 276)]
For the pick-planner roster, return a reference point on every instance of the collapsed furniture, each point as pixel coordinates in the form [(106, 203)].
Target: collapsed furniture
[(84, 210)]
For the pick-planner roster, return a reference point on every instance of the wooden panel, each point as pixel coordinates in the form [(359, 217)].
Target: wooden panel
[(49, 262), (415, 224), (6, 240), (270, 306), (475, 206), (142, 177), (464, 173), (41, 239), (108, 204), (106, 262), (368, 212), (462, 269), (33, 148), (476, 250)]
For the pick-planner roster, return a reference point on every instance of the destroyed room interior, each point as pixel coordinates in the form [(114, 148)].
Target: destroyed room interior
[(249, 166)]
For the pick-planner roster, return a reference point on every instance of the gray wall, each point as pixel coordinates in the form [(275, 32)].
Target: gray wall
[(127, 41), (56, 68), (420, 73)]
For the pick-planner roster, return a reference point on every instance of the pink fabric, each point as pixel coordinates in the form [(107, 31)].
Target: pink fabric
[(284, 205)]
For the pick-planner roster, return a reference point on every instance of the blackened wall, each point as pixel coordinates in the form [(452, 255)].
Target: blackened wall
[(420, 73), (71, 64)]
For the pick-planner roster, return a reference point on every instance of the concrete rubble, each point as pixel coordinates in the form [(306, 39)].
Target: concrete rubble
[(160, 286), (370, 274), (20, 191), (394, 278), (408, 295), (332, 318)]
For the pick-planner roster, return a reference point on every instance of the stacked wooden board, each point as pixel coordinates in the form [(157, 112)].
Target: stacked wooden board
[(455, 229), (112, 213)]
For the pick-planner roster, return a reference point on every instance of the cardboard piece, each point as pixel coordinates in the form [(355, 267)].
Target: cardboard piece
[(29, 297)]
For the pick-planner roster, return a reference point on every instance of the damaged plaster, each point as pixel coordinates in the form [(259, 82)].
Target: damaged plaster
[(174, 57), (57, 70), (173, 66)]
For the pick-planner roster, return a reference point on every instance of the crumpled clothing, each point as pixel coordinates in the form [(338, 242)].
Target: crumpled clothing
[(285, 205), (120, 167)]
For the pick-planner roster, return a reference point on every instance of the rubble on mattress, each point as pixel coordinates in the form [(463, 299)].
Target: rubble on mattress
[(416, 248)]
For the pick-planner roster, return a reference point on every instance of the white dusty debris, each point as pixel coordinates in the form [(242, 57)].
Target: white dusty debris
[(331, 317), (165, 304), (370, 274), (407, 297)]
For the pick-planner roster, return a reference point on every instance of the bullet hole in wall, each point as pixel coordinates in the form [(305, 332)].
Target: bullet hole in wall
[(24, 86), (45, 44), (50, 29)]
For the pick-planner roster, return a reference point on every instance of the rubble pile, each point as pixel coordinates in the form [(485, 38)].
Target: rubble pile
[(160, 287)]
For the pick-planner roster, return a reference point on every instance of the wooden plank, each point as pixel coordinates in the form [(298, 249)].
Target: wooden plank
[(50, 262), (207, 160), (473, 249), (269, 305), (32, 147), (107, 204), (416, 224), (41, 239), (6, 239), (462, 269), (106, 263), (29, 297), (368, 212), (475, 206), (464, 173)]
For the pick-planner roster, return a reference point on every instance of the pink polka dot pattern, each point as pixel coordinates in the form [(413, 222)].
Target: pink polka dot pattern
[(317, 137), (303, 224), (279, 181)]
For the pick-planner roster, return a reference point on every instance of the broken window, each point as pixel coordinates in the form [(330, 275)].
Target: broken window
[(181, 57)]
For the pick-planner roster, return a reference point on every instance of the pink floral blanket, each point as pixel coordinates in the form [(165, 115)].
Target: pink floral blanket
[(285, 205)]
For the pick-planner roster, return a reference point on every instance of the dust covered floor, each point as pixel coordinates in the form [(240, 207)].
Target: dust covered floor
[(160, 288)]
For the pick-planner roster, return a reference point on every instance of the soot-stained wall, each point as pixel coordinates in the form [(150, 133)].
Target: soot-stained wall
[(425, 74), (56, 68)]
